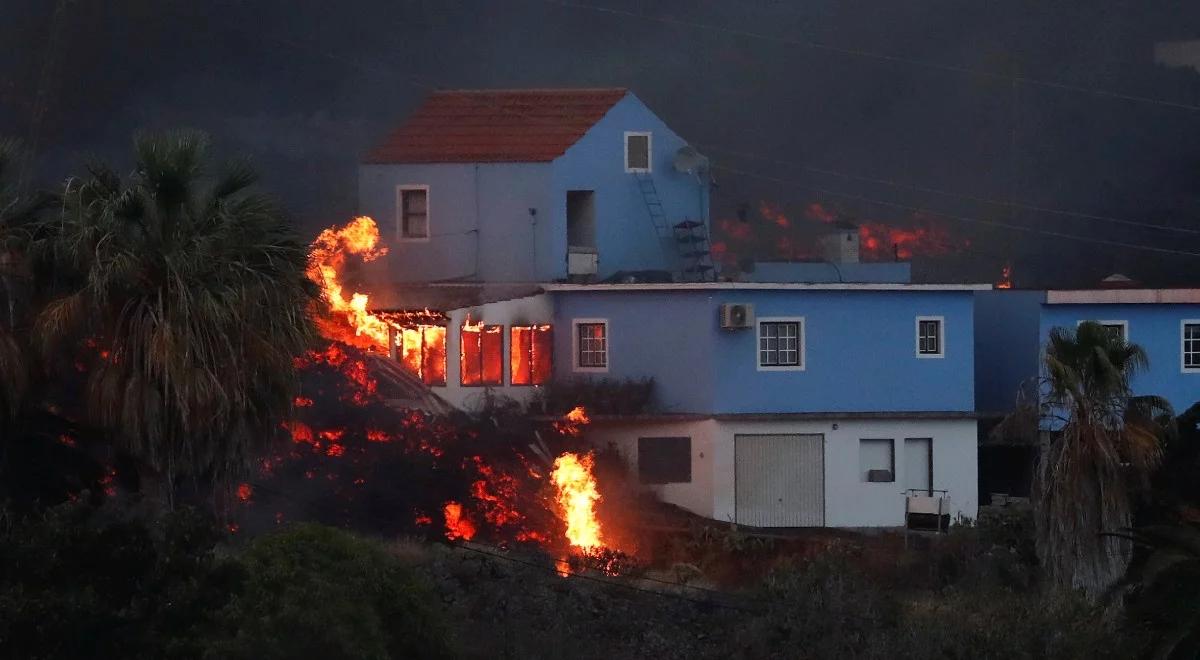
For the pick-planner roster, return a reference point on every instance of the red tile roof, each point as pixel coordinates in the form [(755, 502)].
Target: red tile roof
[(496, 126)]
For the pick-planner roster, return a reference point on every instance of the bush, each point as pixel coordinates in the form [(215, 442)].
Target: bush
[(315, 591), (81, 582)]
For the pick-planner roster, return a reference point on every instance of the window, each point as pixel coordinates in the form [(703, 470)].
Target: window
[(481, 355), (423, 352), (530, 352), (877, 459), (637, 152), (781, 344), (1118, 328), (591, 345), (1190, 345), (930, 343), (412, 213), (665, 460)]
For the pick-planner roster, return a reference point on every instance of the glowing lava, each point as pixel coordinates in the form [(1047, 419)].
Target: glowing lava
[(457, 525), (327, 260), (577, 497)]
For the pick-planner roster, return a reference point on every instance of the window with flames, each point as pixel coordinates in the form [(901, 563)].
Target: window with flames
[(530, 350), (482, 355), (423, 352)]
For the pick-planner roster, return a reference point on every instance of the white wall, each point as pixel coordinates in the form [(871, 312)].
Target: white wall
[(519, 311), (849, 501), (695, 496)]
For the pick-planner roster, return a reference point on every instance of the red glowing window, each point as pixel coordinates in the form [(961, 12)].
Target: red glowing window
[(530, 351), (423, 352), (482, 355)]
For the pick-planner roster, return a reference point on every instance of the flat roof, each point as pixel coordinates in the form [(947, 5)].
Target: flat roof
[(766, 286), (1122, 296)]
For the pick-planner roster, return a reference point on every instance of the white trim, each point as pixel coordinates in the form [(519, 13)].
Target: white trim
[(400, 237), (763, 286), (758, 343), (575, 323), (649, 152), (941, 320), (1183, 323), (1124, 325), (1127, 296)]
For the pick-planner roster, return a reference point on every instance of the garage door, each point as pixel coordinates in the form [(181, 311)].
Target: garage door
[(780, 480)]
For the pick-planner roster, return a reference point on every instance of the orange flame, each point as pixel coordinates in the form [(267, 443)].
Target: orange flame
[(327, 259), (1005, 277), (577, 497), (572, 421), (457, 525)]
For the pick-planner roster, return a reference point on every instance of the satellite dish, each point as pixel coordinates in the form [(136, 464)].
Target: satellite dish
[(690, 161)]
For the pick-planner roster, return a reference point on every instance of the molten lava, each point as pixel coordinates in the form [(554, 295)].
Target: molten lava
[(327, 261), (577, 497), (458, 526)]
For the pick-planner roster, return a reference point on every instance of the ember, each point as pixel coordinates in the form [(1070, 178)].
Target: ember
[(1005, 277)]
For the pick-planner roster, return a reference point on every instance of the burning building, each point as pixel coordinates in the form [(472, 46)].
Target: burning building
[(560, 237)]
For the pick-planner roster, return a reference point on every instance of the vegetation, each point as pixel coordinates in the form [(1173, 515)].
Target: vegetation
[(195, 291), (1103, 441)]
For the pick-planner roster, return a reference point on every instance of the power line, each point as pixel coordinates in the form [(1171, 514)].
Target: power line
[(946, 193), (953, 216), (884, 57)]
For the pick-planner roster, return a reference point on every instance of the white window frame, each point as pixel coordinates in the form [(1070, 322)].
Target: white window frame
[(941, 321), (649, 152), (1123, 323), (400, 213), (575, 366), (803, 347), (1183, 368)]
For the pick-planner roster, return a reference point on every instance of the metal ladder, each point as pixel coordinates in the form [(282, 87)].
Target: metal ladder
[(690, 237)]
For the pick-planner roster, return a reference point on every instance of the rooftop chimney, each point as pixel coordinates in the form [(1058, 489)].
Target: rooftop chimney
[(840, 245)]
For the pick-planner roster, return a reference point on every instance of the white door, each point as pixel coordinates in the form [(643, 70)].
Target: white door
[(780, 480), (918, 464)]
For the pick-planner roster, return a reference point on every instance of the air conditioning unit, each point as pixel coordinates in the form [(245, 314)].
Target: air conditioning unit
[(737, 316)]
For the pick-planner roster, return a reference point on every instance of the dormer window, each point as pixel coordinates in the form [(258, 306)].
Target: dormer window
[(412, 213), (637, 152)]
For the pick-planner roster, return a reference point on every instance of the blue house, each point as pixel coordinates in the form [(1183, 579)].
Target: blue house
[(537, 185), (1011, 331), (561, 235)]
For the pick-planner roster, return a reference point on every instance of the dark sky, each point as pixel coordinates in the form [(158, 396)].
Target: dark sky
[(874, 108)]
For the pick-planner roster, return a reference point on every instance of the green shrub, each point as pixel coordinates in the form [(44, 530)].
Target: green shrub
[(80, 582), (320, 592)]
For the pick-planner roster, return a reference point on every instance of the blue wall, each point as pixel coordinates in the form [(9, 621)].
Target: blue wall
[(1007, 346), (625, 236), (479, 217), (1156, 328), (860, 349)]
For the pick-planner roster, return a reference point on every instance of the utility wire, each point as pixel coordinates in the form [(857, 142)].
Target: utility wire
[(963, 196), (866, 54), (951, 216)]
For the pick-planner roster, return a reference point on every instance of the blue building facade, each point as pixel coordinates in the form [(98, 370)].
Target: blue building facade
[(501, 186)]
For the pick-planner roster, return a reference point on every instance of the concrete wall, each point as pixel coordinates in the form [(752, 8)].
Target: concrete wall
[(1156, 327), (520, 311), (849, 501), (696, 496), (479, 222), (860, 349), (625, 237), (1007, 346)]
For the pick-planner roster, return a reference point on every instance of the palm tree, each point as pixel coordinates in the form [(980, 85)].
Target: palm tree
[(1100, 441), (196, 289), (17, 210)]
